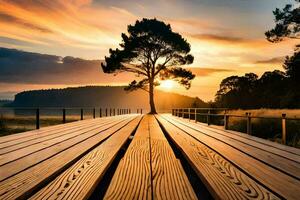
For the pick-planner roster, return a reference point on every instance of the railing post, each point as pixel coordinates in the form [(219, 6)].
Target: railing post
[(100, 112), (81, 114), (195, 115), (105, 112), (189, 114), (129, 111), (64, 115), (283, 128), (249, 131), (141, 111), (37, 120), (226, 119), (94, 113), (208, 117)]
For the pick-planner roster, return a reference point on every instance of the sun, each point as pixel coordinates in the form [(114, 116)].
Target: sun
[(167, 84)]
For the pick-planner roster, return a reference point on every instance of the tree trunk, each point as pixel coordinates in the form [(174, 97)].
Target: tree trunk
[(151, 98)]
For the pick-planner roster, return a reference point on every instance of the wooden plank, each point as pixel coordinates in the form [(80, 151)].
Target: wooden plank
[(79, 181), (158, 175), (25, 162), (132, 179), (76, 135), (168, 177), (289, 167), (31, 135), (283, 150), (48, 137), (277, 181), (27, 181), (223, 180)]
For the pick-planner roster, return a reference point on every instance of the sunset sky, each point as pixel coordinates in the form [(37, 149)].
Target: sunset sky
[(69, 38)]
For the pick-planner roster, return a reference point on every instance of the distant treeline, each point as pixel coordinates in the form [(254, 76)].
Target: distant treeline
[(276, 89), (5, 102), (101, 96)]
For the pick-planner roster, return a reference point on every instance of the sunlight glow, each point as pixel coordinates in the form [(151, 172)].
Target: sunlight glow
[(167, 84)]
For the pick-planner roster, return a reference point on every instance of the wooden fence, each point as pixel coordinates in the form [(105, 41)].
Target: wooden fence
[(102, 112), (190, 112)]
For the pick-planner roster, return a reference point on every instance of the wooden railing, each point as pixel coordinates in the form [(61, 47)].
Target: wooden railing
[(102, 112), (192, 113)]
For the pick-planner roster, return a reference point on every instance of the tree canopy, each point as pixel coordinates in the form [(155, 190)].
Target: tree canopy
[(287, 23), (153, 52), (276, 89)]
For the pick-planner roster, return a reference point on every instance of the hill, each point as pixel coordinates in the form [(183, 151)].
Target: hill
[(102, 96)]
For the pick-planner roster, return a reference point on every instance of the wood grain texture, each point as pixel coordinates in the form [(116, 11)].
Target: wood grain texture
[(24, 182), (132, 179), (79, 181), (290, 167), (27, 159), (149, 169), (168, 177), (223, 179), (277, 181)]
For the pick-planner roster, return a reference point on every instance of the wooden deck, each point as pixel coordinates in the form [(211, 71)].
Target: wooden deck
[(71, 161)]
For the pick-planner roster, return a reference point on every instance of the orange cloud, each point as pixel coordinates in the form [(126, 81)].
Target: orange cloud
[(72, 22), (275, 60), (231, 40), (203, 71)]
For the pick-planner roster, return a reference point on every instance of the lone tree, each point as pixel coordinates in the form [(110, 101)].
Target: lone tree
[(287, 23), (153, 52)]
